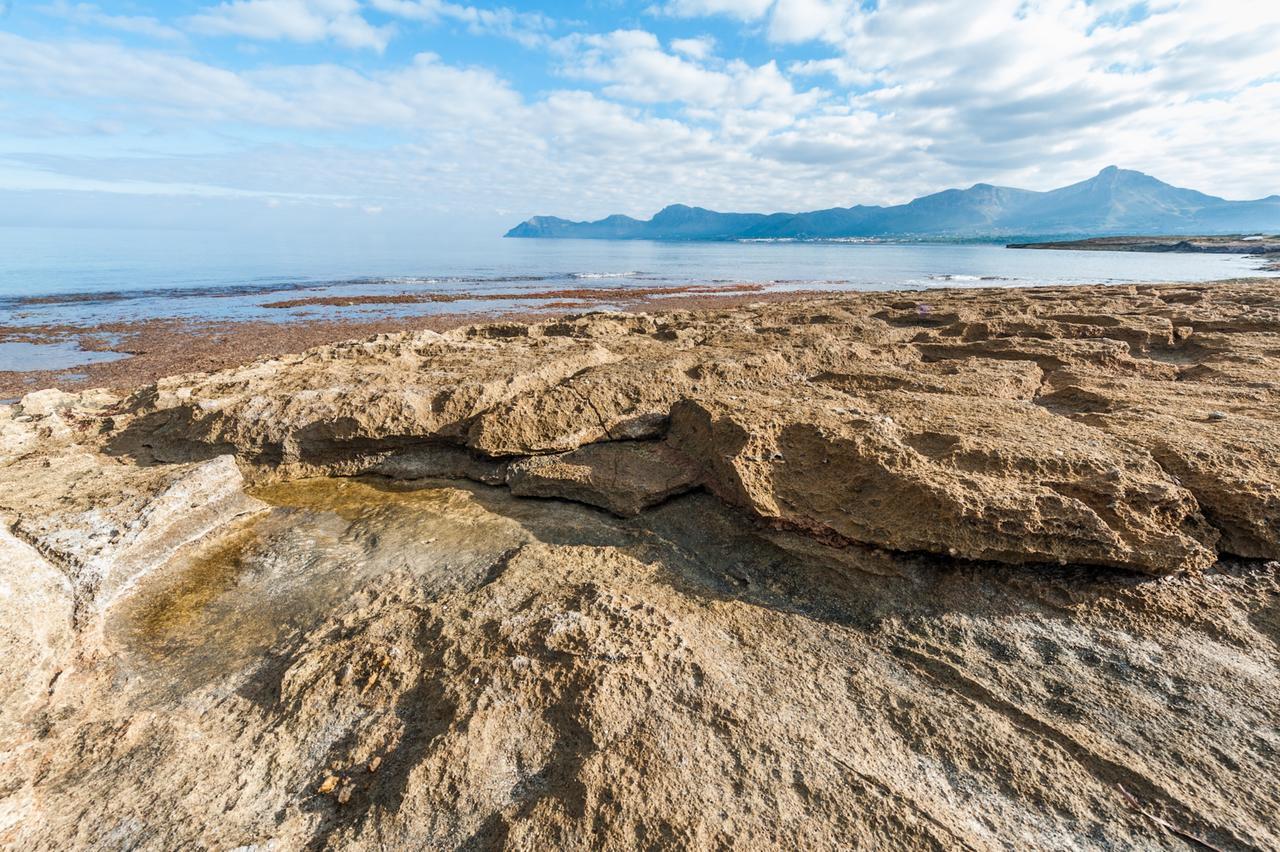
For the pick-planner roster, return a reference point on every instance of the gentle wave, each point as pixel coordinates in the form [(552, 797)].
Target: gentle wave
[(591, 276)]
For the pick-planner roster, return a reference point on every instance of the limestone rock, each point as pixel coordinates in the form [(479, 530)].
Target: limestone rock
[(941, 474), (678, 679), (624, 477), (325, 407), (1031, 425), (44, 420), (538, 674), (108, 524), (441, 461), (36, 633)]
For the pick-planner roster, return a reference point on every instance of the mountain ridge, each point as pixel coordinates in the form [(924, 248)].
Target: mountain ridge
[(1114, 201)]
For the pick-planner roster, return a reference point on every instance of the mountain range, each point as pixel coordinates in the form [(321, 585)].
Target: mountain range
[(1115, 201)]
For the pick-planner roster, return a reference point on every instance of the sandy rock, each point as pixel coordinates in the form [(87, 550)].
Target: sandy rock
[(676, 678), (441, 461), (44, 420), (36, 633), (1215, 438), (336, 403), (107, 524), (395, 662), (607, 403), (624, 477), (1227, 463), (1232, 472), (940, 474), (1024, 438)]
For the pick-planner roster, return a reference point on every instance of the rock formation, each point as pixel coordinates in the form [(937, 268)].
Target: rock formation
[(948, 569), (1122, 428)]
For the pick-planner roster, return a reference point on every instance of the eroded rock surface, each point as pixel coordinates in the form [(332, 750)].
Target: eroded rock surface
[(105, 521), (624, 477), (373, 666), (975, 569), (1129, 427), (36, 629)]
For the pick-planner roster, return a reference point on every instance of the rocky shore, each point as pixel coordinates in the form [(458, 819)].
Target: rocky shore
[(959, 569), (1217, 244), (149, 350)]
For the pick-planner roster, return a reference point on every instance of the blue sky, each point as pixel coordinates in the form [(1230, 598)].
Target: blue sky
[(345, 113)]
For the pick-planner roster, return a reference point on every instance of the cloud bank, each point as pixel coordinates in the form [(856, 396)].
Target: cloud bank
[(432, 107)]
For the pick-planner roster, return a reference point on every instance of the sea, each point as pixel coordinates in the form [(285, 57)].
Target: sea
[(84, 277)]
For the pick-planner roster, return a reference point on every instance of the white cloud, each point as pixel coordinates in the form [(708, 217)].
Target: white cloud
[(89, 15), (632, 66), (802, 20), (745, 10), (293, 20), (1030, 90), (699, 48), (25, 180), (528, 28), (891, 102), (151, 90)]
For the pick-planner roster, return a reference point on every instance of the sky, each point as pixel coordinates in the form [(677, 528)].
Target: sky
[(428, 113)]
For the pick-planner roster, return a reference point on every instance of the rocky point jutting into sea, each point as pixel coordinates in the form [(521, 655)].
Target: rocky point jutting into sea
[(987, 569)]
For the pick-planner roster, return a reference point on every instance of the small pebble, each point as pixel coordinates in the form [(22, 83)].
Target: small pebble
[(375, 763), (328, 785)]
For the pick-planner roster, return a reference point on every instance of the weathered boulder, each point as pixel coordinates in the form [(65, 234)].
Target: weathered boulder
[(310, 412), (921, 472)]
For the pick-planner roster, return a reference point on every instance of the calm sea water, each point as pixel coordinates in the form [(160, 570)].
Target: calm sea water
[(83, 277)]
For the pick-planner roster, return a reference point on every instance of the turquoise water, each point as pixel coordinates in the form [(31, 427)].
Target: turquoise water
[(83, 277)]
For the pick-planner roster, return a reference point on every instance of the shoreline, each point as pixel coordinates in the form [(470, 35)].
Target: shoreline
[(158, 348), (1259, 245)]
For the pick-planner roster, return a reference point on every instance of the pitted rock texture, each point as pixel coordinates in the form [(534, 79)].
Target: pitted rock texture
[(1133, 427), (394, 668), (406, 660), (625, 477)]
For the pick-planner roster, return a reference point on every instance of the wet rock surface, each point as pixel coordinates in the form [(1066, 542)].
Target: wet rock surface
[(964, 569)]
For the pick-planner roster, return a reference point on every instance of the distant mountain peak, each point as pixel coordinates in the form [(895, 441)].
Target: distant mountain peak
[(1114, 175), (1114, 201)]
